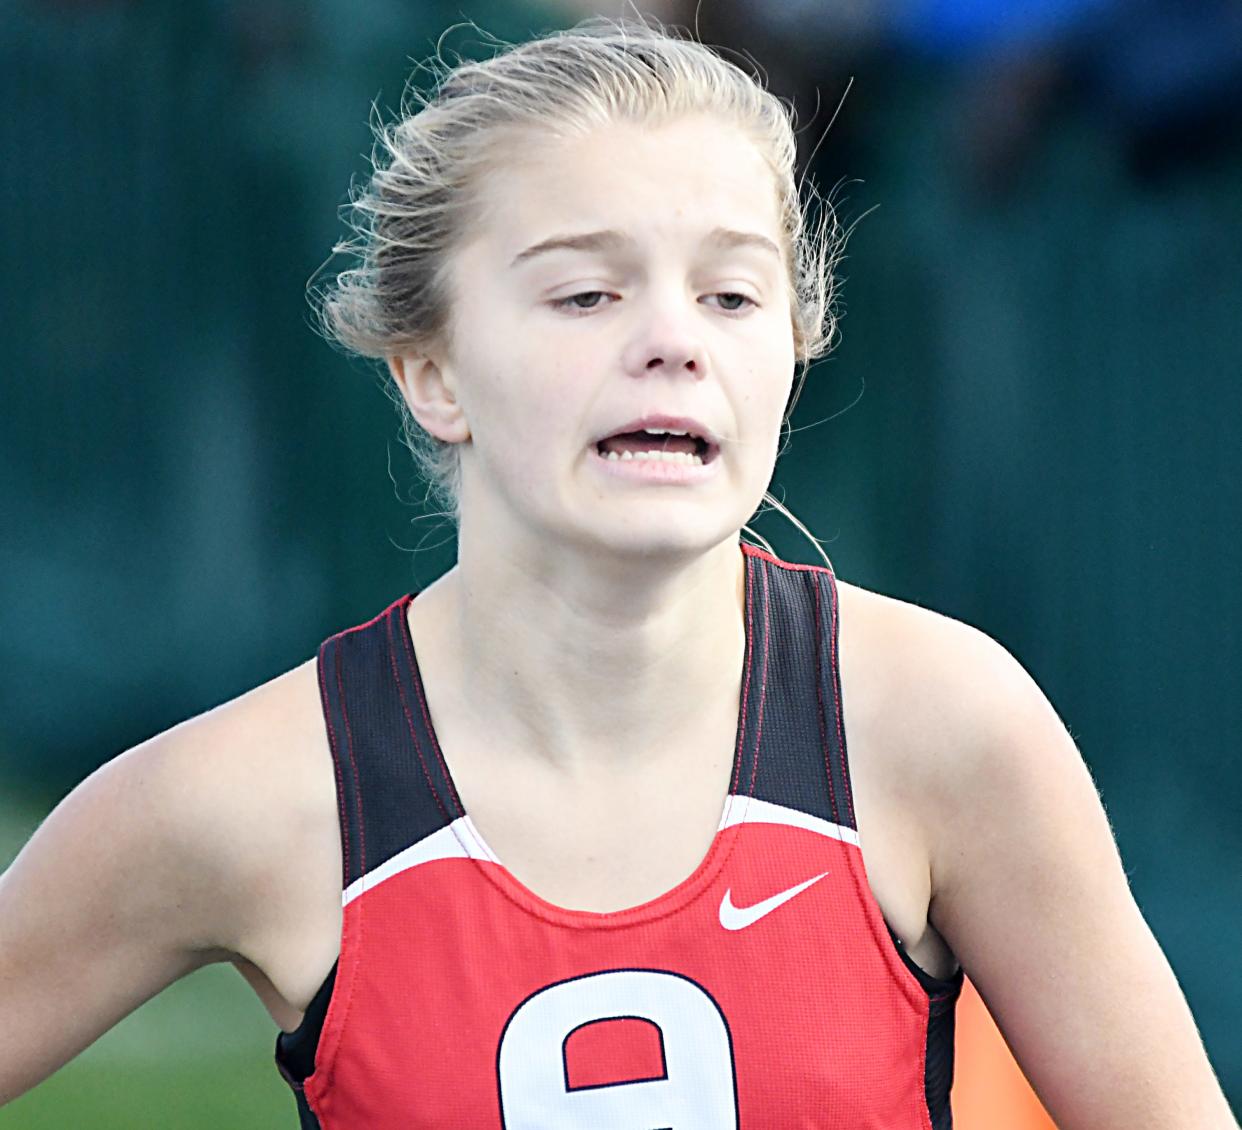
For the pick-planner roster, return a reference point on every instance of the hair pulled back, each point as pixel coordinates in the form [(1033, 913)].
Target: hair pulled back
[(411, 212)]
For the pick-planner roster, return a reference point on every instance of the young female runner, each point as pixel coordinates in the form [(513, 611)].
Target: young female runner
[(621, 823)]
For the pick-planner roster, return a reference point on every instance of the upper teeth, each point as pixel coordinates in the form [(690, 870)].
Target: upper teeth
[(665, 432)]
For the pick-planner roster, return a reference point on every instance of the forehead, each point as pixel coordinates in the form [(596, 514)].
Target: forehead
[(671, 182)]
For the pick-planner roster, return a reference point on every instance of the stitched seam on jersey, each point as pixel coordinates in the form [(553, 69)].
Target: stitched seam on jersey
[(836, 697), (750, 649), (819, 698), (362, 849), (371, 622), (416, 679), (409, 721), (348, 961), (922, 1105), (763, 685), (353, 763), (484, 854), (342, 815), (792, 566)]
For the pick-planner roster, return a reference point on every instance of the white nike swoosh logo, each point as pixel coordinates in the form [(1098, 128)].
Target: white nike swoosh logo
[(739, 917)]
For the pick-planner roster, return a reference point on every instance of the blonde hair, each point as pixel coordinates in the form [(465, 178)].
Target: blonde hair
[(407, 218)]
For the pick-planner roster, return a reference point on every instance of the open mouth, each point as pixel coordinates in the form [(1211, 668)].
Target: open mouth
[(659, 443)]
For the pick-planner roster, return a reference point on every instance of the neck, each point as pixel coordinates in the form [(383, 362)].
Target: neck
[(586, 670)]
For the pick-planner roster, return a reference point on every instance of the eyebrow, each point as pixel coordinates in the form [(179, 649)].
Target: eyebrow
[(610, 240)]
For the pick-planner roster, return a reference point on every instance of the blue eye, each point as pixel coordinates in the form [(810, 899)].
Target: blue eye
[(734, 294), (570, 302)]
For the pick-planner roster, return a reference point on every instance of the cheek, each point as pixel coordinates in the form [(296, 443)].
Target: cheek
[(769, 384), (524, 404)]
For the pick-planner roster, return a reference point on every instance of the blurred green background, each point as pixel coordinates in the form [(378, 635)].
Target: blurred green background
[(1031, 423)]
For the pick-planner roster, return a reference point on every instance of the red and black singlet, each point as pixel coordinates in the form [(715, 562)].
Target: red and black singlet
[(764, 992)]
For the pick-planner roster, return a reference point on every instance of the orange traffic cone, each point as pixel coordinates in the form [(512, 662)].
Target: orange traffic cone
[(989, 1090)]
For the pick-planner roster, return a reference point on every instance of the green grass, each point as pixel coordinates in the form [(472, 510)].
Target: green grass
[(198, 1055)]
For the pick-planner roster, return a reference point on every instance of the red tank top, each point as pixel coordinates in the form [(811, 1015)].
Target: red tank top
[(764, 992)]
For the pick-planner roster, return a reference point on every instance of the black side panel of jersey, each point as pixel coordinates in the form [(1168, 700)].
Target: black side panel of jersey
[(938, 1069), (306, 1116), (938, 1063), (801, 751), (295, 1051)]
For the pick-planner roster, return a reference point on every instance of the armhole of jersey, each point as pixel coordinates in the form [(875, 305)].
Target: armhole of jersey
[(932, 986), (295, 1051)]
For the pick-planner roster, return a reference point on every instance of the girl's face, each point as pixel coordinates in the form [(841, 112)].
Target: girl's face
[(636, 272)]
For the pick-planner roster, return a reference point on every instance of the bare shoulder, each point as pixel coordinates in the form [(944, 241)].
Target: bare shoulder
[(265, 806), (941, 691), (219, 811), (241, 788), (252, 781), (921, 692), (250, 753), (241, 800), (958, 736)]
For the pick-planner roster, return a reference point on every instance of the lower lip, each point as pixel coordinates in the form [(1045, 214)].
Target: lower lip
[(656, 470)]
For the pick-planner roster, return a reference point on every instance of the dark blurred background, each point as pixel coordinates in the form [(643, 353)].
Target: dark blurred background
[(1030, 424)]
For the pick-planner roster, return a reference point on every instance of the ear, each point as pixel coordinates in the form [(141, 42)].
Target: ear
[(431, 398)]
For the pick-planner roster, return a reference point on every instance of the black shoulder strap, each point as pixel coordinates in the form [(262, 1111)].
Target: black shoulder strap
[(801, 748), (393, 788)]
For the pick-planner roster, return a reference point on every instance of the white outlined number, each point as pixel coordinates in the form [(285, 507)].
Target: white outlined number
[(698, 1091)]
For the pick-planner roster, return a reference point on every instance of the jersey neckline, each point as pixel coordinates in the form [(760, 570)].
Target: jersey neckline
[(670, 901)]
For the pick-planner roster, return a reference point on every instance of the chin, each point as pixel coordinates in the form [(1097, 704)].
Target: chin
[(661, 535)]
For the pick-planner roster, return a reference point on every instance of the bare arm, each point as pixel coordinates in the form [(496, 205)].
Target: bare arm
[(144, 873), (1029, 890)]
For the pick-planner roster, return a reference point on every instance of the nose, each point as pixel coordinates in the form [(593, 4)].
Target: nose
[(665, 342)]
